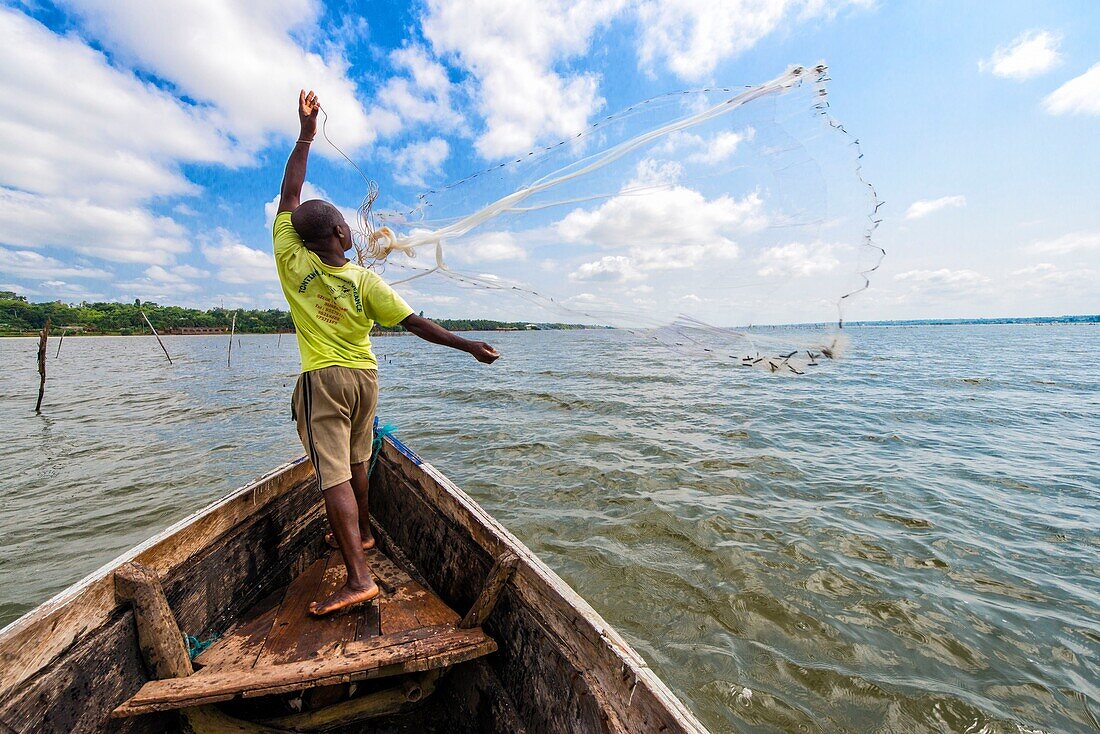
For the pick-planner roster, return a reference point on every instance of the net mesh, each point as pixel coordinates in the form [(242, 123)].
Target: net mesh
[(692, 219)]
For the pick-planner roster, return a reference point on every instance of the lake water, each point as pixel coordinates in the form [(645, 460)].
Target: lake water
[(905, 541)]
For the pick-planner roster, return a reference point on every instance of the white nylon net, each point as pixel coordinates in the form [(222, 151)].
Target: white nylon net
[(700, 220)]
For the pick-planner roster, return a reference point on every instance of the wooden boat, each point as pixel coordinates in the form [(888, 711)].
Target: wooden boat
[(472, 633)]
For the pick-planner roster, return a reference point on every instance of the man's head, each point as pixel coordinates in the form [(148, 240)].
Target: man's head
[(318, 223)]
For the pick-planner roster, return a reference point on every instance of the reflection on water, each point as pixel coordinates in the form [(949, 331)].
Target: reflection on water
[(903, 542)]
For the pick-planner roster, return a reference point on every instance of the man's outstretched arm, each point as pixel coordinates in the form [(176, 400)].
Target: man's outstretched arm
[(290, 196), (430, 331)]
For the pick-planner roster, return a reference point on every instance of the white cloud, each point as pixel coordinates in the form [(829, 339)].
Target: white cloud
[(189, 271), (924, 207), (156, 290), (944, 282), (131, 235), (178, 274), (414, 163), (489, 246), (1080, 95), (88, 130), (239, 57), (691, 37), (1030, 54), (424, 96), (1067, 244), (722, 146), (715, 150), (609, 269), (679, 140), (59, 289), (1037, 269), (680, 218), (650, 172), (797, 259), (678, 229), (239, 263), (1045, 276), (512, 48), (34, 265)]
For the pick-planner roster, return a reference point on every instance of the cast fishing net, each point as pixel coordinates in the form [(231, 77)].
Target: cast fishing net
[(698, 220)]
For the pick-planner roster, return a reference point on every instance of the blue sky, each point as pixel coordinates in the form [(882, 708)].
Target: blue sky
[(144, 141)]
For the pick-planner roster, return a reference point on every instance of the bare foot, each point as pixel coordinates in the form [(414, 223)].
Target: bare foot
[(344, 597), (368, 541)]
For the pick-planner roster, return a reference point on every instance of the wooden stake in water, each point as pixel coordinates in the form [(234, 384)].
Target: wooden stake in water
[(60, 342), (166, 354), (42, 336), (232, 331)]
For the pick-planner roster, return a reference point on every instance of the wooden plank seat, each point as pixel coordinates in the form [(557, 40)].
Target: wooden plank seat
[(279, 647)]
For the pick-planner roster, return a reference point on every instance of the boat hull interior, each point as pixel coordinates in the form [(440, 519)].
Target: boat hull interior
[(557, 666)]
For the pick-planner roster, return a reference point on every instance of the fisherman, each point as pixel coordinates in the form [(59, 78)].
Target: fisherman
[(334, 303)]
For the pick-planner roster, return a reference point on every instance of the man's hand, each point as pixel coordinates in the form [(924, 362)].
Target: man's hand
[(290, 193), (308, 107), (483, 353)]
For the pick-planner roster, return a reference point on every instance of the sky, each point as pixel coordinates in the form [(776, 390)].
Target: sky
[(144, 140)]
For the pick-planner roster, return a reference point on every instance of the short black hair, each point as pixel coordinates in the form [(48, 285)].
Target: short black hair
[(315, 219)]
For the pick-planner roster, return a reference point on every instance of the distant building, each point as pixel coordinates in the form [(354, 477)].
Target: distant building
[(198, 330)]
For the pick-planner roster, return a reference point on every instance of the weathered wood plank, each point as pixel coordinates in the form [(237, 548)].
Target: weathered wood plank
[(387, 573), (370, 622), (379, 703), (293, 612), (311, 636), (209, 720), (427, 649), (241, 645), (501, 571), (159, 637)]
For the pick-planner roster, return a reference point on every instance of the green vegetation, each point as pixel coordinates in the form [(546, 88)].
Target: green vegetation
[(19, 316)]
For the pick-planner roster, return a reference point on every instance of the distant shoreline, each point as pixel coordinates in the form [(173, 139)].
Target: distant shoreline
[(1036, 320), (56, 331)]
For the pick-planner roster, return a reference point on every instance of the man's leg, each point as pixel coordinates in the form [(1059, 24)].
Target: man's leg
[(360, 485), (343, 515)]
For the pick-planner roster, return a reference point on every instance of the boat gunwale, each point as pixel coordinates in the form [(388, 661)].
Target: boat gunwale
[(608, 637)]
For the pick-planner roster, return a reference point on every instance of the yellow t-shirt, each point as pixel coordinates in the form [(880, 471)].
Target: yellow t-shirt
[(333, 308)]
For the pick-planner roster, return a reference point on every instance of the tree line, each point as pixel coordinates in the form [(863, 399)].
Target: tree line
[(20, 316)]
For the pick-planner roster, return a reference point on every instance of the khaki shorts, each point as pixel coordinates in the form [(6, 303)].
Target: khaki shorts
[(334, 408)]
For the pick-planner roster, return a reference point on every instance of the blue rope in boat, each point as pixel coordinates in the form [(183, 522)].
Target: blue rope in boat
[(195, 646), (380, 433)]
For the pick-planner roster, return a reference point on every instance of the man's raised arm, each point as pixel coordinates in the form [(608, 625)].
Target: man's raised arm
[(290, 196)]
